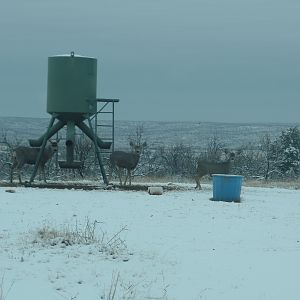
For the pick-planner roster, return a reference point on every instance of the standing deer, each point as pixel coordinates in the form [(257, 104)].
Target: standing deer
[(205, 167), (126, 160), (28, 155)]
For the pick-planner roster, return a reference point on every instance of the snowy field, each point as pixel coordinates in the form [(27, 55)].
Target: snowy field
[(179, 245)]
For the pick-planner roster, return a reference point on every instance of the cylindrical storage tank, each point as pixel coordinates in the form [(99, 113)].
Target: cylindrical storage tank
[(227, 187), (72, 86)]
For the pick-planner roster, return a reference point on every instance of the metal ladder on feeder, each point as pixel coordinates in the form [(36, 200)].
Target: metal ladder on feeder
[(104, 125)]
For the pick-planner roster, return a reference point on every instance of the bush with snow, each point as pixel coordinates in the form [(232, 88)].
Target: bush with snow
[(86, 234)]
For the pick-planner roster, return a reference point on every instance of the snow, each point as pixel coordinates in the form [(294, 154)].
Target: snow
[(179, 245)]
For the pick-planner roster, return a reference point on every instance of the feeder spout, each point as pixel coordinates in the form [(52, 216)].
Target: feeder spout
[(54, 129), (85, 129)]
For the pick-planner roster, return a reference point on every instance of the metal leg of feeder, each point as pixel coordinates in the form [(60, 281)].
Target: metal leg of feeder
[(37, 163), (97, 149)]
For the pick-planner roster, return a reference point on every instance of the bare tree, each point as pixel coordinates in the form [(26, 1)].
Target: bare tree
[(178, 159), (83, 150), (214, 149), (137, 137), (266, 148)]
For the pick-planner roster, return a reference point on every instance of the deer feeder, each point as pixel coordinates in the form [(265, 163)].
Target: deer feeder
[(71, 100)]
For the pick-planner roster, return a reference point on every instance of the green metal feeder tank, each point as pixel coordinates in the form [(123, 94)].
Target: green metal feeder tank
[(72, 86)]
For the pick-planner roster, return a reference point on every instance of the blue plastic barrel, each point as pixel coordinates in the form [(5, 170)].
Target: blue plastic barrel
[(227, 187)]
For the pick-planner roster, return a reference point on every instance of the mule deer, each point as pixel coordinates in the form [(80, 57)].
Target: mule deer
[(28, 155), (205, 167), (125, 160)]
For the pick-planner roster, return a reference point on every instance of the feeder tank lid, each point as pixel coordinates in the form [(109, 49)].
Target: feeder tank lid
[(72, 54)]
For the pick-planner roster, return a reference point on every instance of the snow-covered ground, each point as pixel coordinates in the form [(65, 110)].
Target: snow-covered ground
[(179, 245)]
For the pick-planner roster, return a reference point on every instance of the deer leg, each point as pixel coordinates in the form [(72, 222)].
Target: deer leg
[(19, 175), (14, 165), (42, 169), (39, 173), (198, 185), (80, 171), (119, 174), (19, 166), (110, 173), (128, 175), (12, 172)]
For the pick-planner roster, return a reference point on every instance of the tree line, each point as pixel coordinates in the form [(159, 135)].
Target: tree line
[(271, 158)]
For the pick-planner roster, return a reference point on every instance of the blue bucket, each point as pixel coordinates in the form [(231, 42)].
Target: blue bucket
[(227, 187)]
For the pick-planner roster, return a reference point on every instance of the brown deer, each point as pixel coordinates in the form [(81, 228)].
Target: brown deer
[(205, 167), (126, 160), (28, 155)]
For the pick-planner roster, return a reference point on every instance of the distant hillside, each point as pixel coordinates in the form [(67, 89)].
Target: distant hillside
[(195, 134)]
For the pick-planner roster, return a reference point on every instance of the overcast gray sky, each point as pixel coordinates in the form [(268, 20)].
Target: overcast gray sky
[(197, 60)]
